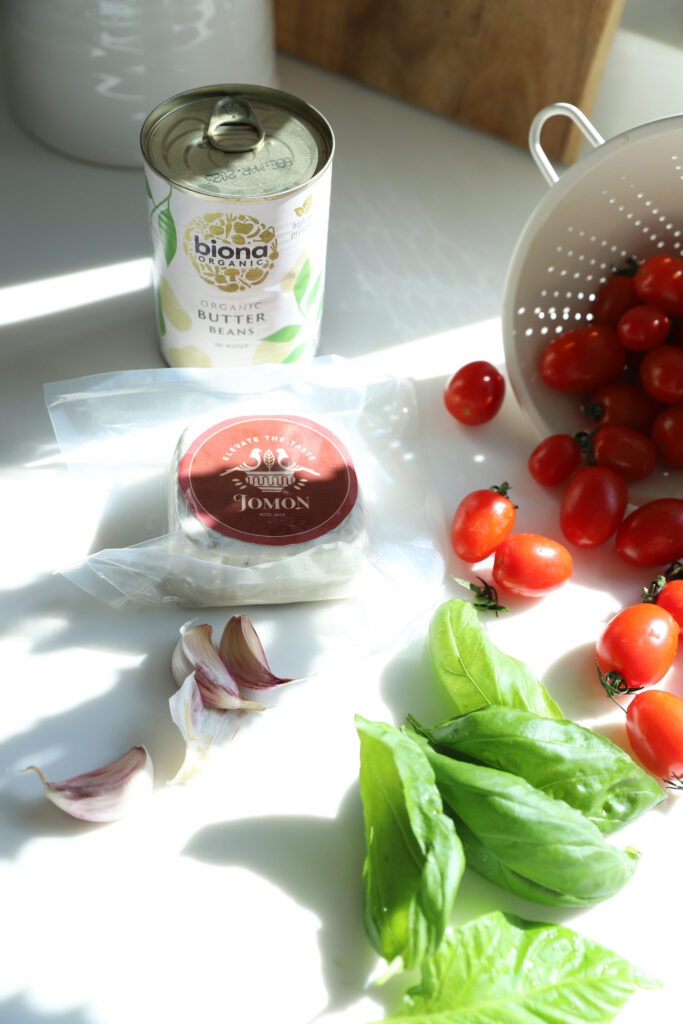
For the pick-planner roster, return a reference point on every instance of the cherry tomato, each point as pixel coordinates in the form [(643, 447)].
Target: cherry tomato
[(653, 533), (654, 726), (583, 359), (554, 459), (659, 281), (482, 520), (671, 598), (637, 647), (661, 373), (530, 565), (643, 327), (622, 402), (593, 504), (667, 436), (474, 394), (631, 454), (614, 297)]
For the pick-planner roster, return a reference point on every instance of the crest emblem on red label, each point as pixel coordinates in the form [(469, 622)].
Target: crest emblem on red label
[(269, 479)]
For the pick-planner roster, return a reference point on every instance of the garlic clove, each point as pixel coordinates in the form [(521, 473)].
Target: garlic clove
[(242, 653), (104, 794), (195, 653), (202, 728)]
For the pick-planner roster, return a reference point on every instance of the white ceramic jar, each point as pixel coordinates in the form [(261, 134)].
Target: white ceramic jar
[(83, 74)]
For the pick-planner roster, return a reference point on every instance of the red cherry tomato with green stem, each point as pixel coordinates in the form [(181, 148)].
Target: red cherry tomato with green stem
[(667, 436), (583, 359), (637, 648), (592, 506), (661, 374), (622, 402), (659, 281), (614, 297), (643, 327), (530, 565), (666, 590), (654, 727), (628, 452), (482, 520), (554, 459), (475, 393), (653, 533)]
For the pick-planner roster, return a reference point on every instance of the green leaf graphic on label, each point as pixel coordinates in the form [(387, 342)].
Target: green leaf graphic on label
[(147, 188), (169, 237), (288, 333), (295, 354), (302, 282), (160, 312), (314, 291)]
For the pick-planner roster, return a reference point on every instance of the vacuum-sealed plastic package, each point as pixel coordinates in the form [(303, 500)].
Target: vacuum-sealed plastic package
[(254, 486)]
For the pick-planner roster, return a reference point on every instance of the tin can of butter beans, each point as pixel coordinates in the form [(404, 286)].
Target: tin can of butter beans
[(238, 186)]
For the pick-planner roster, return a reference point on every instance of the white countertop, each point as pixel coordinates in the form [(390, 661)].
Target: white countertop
[(238, 896)]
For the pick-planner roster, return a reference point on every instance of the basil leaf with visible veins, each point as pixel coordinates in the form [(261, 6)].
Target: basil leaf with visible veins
[(500, 969), (475, 672), (414, 859)]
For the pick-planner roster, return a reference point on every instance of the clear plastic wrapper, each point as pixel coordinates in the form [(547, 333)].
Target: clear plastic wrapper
[(127, 435)]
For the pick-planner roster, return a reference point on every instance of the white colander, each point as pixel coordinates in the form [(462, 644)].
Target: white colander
[(625, 199)]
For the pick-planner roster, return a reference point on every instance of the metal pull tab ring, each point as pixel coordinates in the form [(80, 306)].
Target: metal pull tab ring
[(535, 147), (229, 117)]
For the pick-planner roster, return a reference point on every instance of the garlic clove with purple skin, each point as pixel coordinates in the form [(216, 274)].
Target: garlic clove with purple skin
[(242, 653), (103, 794), (195, 654), (203, 728)]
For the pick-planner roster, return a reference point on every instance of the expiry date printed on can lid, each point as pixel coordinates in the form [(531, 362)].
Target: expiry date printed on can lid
[(237, 142), (269, 479)]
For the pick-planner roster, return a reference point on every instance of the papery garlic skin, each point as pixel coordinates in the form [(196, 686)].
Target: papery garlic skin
[(104, 794), (195, 653), (242, 653)]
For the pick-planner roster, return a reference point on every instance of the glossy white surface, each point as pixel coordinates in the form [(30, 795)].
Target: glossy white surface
[(238, 897)]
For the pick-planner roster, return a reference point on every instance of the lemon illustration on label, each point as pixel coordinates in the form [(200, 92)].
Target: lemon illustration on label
[(188, 355), (173, 311)]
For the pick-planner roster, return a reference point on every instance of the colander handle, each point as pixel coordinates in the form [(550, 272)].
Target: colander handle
[(537, 151)]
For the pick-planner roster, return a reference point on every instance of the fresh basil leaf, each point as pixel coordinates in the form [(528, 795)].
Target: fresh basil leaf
[(474, 671), (414, 859), (563, 759), (500, 969), (538, 838)]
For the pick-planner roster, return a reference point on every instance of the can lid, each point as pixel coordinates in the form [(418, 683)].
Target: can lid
[(237, 141)]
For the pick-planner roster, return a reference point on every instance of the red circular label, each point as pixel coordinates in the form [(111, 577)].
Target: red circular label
[(269, 479)]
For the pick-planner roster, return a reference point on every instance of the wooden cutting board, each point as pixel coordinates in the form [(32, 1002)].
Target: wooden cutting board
[(491, 64)]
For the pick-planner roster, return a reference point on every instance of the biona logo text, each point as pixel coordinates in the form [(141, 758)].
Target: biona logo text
[(230, 251)]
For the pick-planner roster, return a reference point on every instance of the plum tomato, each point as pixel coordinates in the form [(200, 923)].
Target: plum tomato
[(628, 452), (636, 648), (475, 392), (643, 327), (554, 459), (661, 373), (659, 282), (482, 520), (530, 565), (614, 297), (592, 506), (667, 436), (653, 533), (654, 727), (622, 402), (582, 359)]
